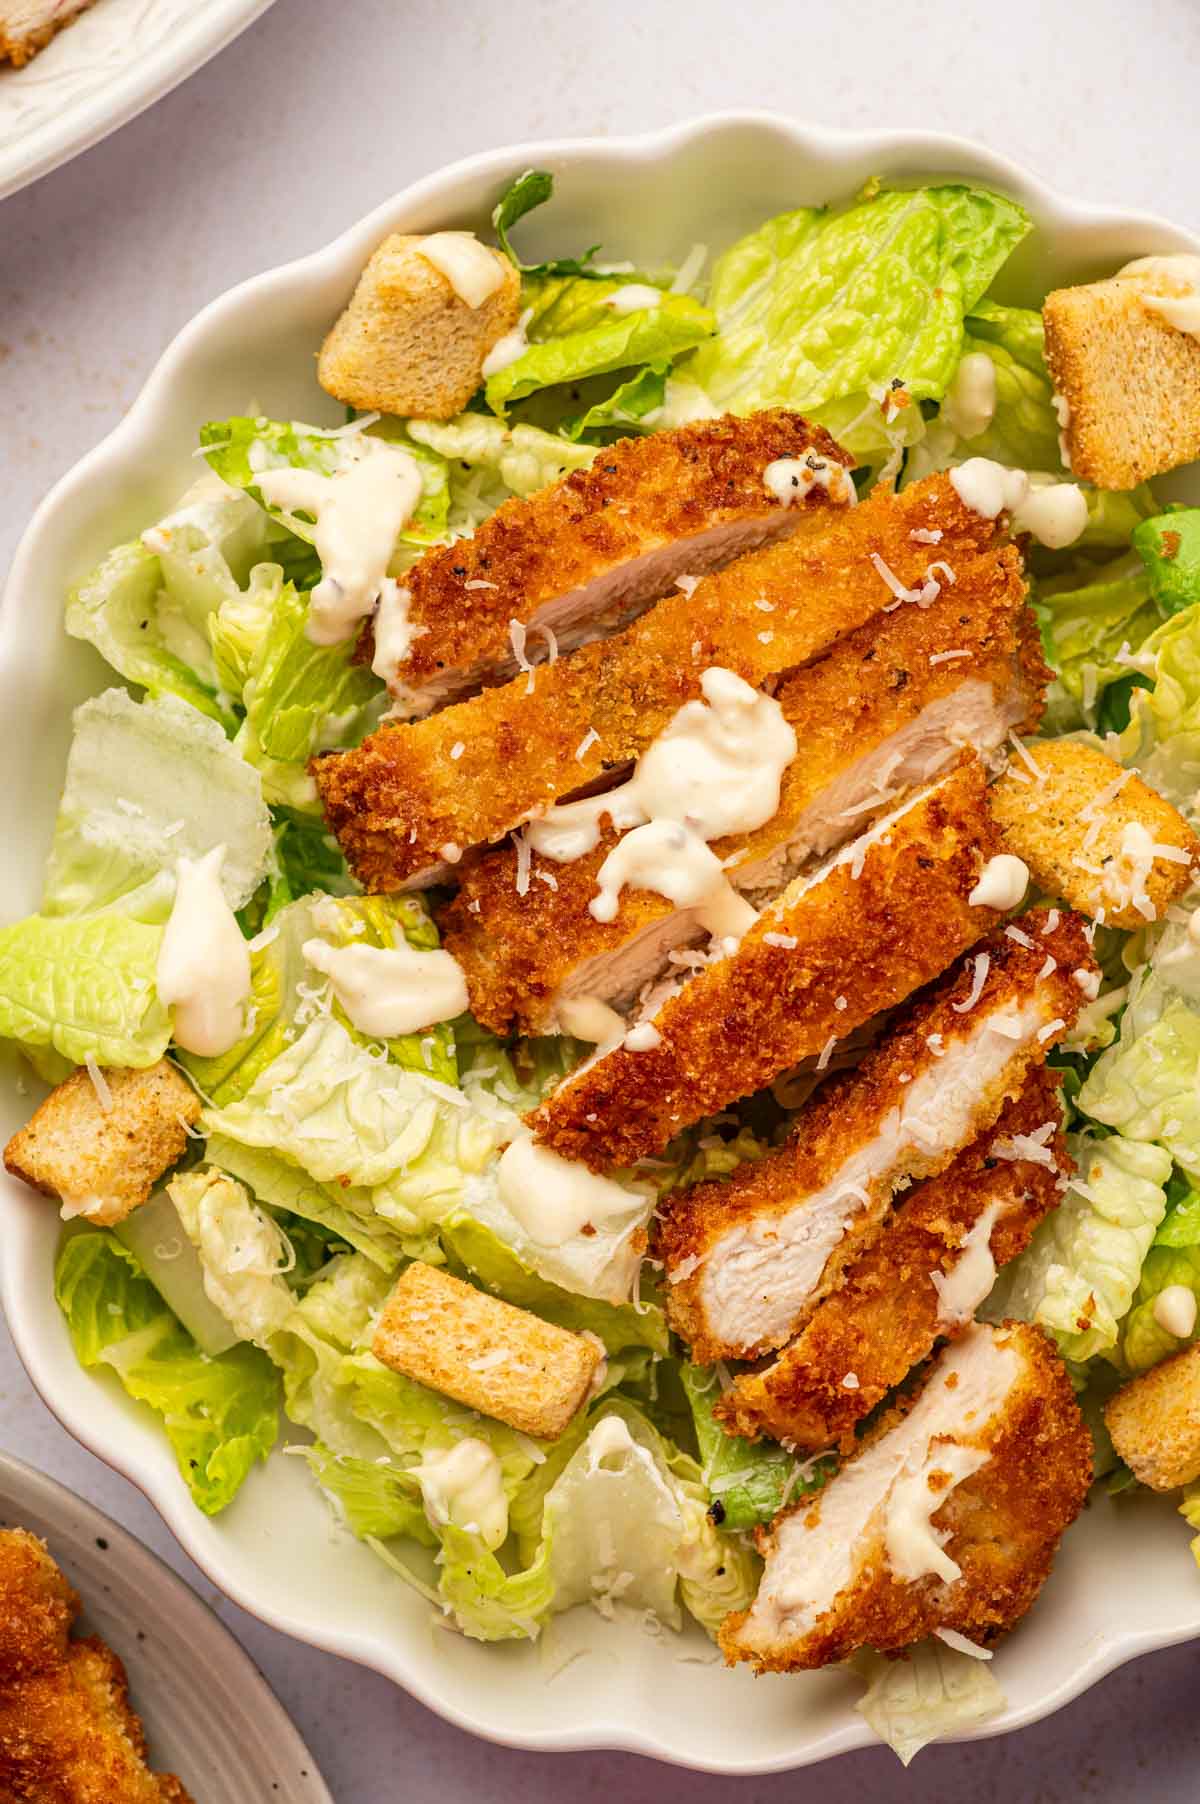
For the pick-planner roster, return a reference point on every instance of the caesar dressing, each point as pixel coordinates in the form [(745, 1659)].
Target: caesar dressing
[(554, 1199), (472, 270), (360, 511), (914, 1547), (962, 1289), (970, 401), (1175, 1310), (1054, 512), (391, 629), (1002, 883), (1177, 298), (588, 1018), (387, 991), (634, 297), (508, 349), (792, 478), (203, 961), (464, 1486), (668, 857)]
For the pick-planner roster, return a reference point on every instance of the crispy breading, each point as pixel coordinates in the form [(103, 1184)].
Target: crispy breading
[(1154, 1421), (446, 1334), (825, 1594), (407, 343), (1071, 824), (68, 1733), (1131, 381), (104, 1158), (883, 710), (22, 45), (476, 770), (749, 1258), (888, 1313), (594, 549), (887, 915)]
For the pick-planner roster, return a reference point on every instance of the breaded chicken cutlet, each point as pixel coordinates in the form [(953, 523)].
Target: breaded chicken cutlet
[(947, 1517), (882, 918), (749, 1259), (882, 712), (921, 1281), (412, 799), (68, 1734), (590, 552)]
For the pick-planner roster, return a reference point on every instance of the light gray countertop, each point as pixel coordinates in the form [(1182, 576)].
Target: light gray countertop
[(318, 113)]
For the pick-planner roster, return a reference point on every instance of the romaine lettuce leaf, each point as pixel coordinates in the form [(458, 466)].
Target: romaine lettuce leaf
[(1163, 736), (85, 987), (242, 1252), (240, 624), (822, 311), (628, 408), (747, 1481), (1146, 1085), (375, 1501), (526, 191), (1169, 546), (343, 1210), (520, 460), (1079, 1273), (1088, 628), (932, 1692), (303, 698), (220, 1415), (149, 783), (1143, 1339)]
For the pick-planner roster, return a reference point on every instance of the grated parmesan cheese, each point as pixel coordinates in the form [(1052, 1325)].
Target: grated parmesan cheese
[(979, 978), (99, 1083), (590, 738), (1050, 1029)]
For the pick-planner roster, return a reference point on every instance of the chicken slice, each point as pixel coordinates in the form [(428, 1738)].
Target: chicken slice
[(749, 1259), (412, 798), (593, 550), (886, 710), (948, 1516), (923, 1279), (885, 915)]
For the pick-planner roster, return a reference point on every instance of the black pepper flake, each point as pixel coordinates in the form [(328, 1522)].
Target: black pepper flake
[(716, 1512)]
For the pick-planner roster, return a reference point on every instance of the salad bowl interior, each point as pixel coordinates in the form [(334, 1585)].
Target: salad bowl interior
[(589, 1683)]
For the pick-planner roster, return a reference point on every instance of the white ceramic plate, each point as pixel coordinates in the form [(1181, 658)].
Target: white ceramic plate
[(102, 70), (1124, 1583), (227, 1738)]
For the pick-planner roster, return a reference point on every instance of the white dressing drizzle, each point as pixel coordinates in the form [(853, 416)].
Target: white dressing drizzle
[(668, 857), (633, 297), (472, 270), (970, 401), (392, 632), (203, 966), (962, 1289), (1175, 1310), (588, 1018), (1054, 512), (464, 1485), (508, 349), (1002, 883), (387, 991), (1177, 295), (914, 1547), (792, 478), (360, 511), (554, 1198)]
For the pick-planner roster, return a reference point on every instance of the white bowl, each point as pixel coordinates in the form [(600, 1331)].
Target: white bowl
[(1124, 1582)]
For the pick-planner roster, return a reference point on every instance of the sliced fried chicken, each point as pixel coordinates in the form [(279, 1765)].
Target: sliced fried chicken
[(883, 712), (948, 1517), (922, 1281), (593, 550), (749, 1259), (887, 914), (409, 801)]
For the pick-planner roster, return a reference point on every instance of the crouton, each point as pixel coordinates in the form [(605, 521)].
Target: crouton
[(408, 343), (502, 1361), (101, 1146), (1130, 380), (1093, 834), (1154, 1422)]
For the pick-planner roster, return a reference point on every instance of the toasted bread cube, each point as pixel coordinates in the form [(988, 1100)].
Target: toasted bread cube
[(1154, 1422), (407, 343), (502, 1361), (103, 1158), (1131, 382), (1093, 834)]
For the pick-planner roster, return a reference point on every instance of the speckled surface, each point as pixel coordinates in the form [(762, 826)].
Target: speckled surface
[(315, 115)]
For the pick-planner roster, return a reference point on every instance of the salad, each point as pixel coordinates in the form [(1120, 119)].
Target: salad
[(390, 1130)]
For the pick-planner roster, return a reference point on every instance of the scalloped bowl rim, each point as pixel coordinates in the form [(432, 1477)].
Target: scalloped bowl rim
[(91, 1412)]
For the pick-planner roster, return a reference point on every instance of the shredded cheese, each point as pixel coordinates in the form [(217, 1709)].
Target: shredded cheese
[(979, 977)]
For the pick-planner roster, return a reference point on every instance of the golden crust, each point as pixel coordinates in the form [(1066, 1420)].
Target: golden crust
[(398, 799), (884, 1319), (1154, 1421), (68, 1734), (867, 941), (1071, 839), (518, 951), (640, 494), (1002, 1527), (847, 1112)]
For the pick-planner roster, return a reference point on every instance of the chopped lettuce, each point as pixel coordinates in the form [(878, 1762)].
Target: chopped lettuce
[(1169, 546), (825, 310), (303, 698), (376, 921), (374, 1499), (149, 783), (1088, 628), (519, 460), (83, 986), (1079, 1273), (747, 1481), (628, 408), (156, 1237), (242, 1252), (220, 1415), (934, 1691), (343, 1210), (532, 188), (1162, 738), (1144, 1341)]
